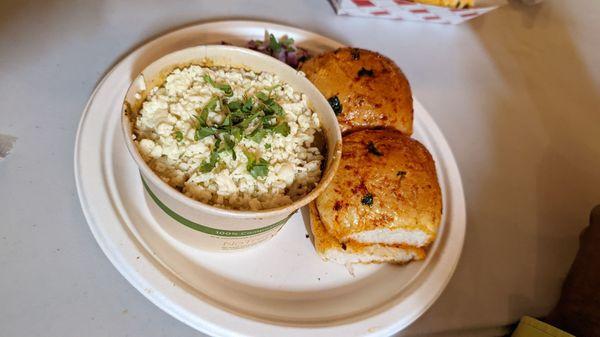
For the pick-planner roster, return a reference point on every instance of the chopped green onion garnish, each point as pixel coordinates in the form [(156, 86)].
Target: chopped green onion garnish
[(204, 132), (251, 157), (203, 116), (282, 128), (273, 43), (209, 165), (258, 135), (246, 122), (225, 88), (262, 96), (237, 133), (234, 105), (276, 108), (266, 121), (248, 103), (226, 121), (239, 122), (259, 169), (227, 146)]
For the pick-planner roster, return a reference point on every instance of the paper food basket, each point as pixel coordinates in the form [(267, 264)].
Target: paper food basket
[(410, 11)]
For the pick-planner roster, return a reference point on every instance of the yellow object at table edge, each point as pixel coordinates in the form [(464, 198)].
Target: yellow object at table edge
[(531, 327)]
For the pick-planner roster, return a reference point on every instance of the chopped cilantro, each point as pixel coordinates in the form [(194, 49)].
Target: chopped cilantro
[(266, 121), (246, 122), (257, 167), (248, 104), (272, 107), (282, 128), (204, 132), (225, 88), (203, 116), (274, 44), (251, 117), (224, 107), (251, 157), (179, 136), (226, 121), (236, 116), (209, 80), (262, 96), (258, 135), (210, 164), (236, 133), (212, 103), (277, 109), (228, 145), (234, 105)]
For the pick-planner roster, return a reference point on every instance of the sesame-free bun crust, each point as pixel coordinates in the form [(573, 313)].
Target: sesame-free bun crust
[(379, 96), (399, 174)]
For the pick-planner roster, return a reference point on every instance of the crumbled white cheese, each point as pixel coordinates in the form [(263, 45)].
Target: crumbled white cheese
[(169, 112)]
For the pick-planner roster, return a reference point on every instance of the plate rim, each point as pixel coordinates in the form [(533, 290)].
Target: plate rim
[(166, 304)]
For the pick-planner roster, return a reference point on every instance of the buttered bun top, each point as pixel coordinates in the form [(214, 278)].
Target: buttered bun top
[(365, 89), (385, 191)]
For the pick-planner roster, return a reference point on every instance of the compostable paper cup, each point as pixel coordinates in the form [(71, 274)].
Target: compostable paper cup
[(201, 225)]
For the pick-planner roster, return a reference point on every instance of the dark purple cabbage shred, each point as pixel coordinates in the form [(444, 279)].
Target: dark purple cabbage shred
[(282, 49)]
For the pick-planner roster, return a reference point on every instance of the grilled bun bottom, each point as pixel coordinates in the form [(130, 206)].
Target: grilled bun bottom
[(350, 252)]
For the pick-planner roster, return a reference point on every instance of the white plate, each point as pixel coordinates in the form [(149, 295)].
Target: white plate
[(279, 288)]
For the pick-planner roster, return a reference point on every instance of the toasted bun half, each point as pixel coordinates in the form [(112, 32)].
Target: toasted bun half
[(385, 191), (371, 89)]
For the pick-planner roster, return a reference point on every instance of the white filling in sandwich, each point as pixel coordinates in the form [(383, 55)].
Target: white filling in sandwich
[(414, 237), (331, 249)]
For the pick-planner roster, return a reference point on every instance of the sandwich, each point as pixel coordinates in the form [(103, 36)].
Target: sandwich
[(384, 203)]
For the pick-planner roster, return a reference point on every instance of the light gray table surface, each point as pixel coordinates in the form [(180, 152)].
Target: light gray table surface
[(516, 93)]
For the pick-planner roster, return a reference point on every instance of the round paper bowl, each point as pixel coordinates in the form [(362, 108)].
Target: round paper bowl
[(198, 224)]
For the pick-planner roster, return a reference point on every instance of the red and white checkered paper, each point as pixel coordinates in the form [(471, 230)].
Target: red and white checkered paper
[(408, 10)]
